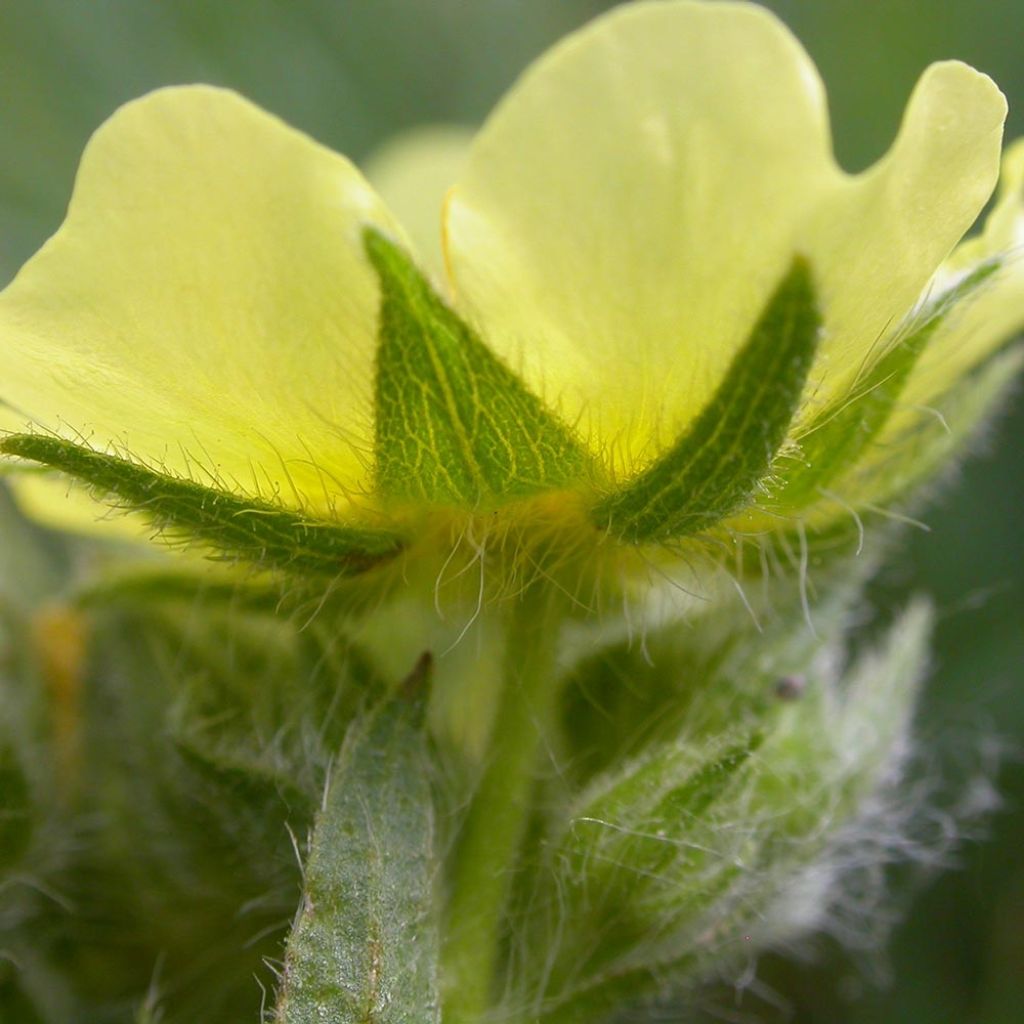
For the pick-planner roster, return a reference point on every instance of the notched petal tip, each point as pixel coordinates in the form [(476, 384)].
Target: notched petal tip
[(878, 237), (601, 231)]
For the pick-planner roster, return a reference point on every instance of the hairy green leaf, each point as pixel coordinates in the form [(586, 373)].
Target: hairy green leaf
[(364, 945), (686, 859), (639, 856), (660, 797), (839, 434), (714, 469), (454, 425), (249, 528)]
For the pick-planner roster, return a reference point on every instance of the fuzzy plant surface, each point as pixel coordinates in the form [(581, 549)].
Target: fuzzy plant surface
[(405, 631)]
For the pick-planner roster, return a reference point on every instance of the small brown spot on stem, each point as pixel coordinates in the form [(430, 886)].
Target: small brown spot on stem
[(790, 688)]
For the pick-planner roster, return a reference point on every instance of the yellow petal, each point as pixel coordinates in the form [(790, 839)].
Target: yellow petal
[(10, 420), (877, 239), (412, 173), (1003, 232), (627, 210), (206, 305), (995, 314)]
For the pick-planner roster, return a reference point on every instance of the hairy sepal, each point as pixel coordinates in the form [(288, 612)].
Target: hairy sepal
[(866, 501), (837, 437), (715, 468), (249, 528), (455, 426), (938, 436)]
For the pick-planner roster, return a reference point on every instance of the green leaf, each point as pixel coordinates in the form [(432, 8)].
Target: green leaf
[(839, 435), (454, 425), (364, 946), (250, 528), (880, 690), (664, 798), (685, 862), (715, 468), (638, 860), (191, 856)]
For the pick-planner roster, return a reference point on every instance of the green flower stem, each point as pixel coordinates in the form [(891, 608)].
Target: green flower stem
[(497, 817)]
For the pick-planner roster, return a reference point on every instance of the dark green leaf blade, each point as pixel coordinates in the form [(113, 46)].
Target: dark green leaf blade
[(839, 434), (714, 469), (454, 424), (364, 946), (270, 535)]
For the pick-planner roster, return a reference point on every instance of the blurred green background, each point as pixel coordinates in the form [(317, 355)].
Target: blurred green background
[(352, 73)]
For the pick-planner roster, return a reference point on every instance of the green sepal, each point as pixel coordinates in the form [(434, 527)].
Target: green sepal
[(935, 438), (364, 946), (270, 535), (715, 468), (837, 437), (454, 424)]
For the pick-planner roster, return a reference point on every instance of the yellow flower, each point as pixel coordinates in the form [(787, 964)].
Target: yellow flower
[(617, 233)]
